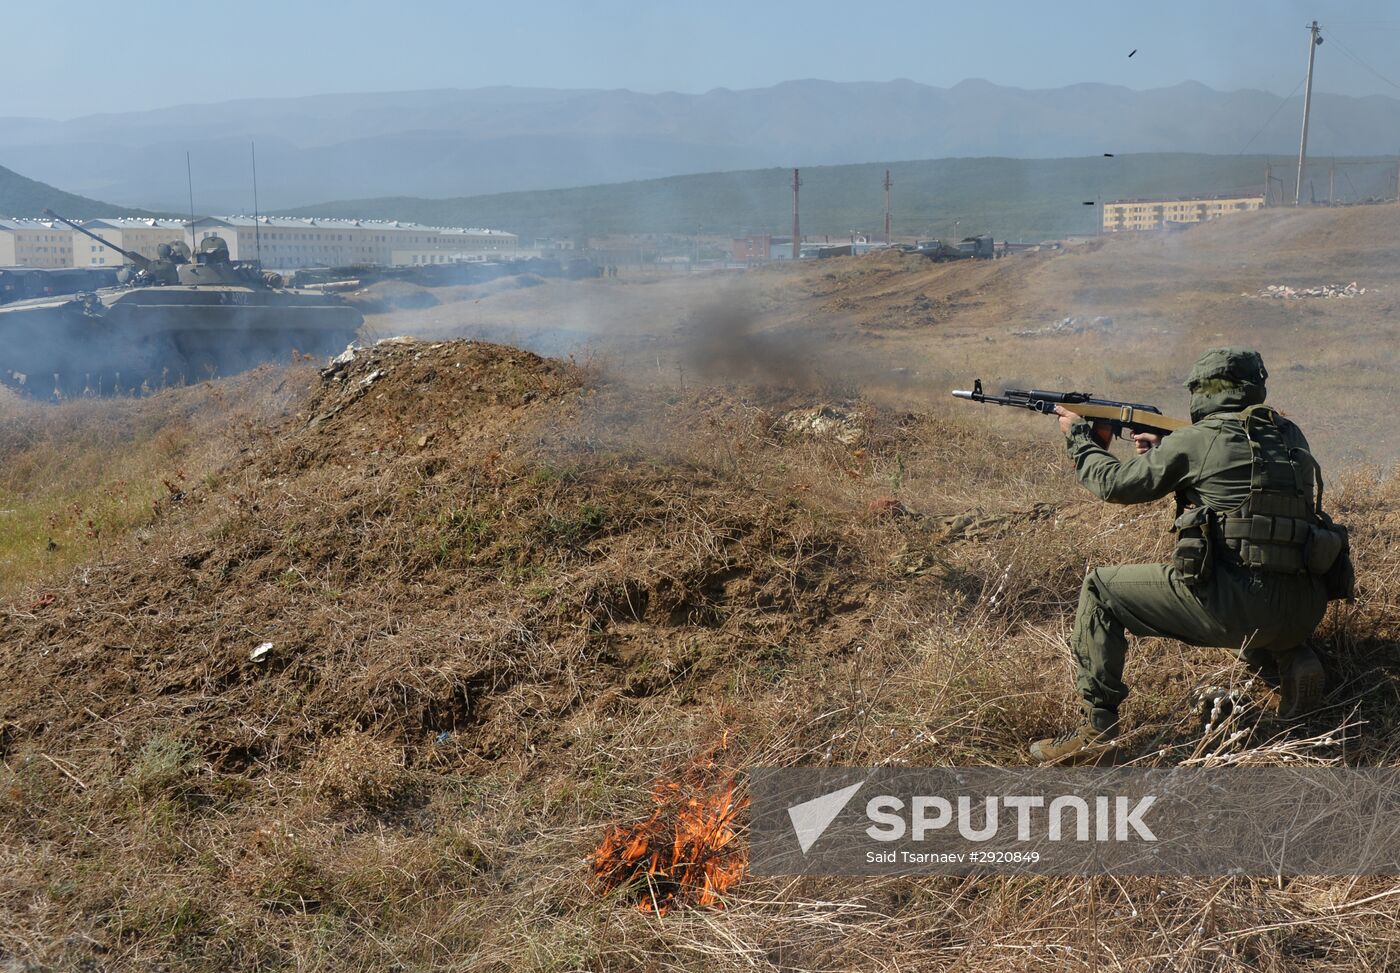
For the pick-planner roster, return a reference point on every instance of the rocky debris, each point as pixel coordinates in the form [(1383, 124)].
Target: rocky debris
[(353, 359), (1074, 324), (1283, 292), (825, 421), (339, 367)]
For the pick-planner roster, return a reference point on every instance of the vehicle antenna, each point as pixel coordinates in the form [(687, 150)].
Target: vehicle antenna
[(257, 223), (189, 181)]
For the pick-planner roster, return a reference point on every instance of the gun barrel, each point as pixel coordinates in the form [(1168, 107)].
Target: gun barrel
[(963, 394), (136, 258)]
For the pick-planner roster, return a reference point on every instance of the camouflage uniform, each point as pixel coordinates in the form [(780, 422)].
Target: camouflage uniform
[(1210, 467)]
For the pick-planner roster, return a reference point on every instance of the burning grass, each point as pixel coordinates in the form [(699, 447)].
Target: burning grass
[(688, 853), (507, 601)]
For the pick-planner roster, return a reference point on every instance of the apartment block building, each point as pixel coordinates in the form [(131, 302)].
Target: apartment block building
[(1154, 214), (283, 242), (35, 243)]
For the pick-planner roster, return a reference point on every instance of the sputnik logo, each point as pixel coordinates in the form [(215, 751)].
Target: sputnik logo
[(811, 818)]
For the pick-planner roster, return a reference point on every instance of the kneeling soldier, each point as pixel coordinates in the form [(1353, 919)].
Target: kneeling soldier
[(1248, 527)]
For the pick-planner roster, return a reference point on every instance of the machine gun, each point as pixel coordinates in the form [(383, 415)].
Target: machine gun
[(1123, 418)]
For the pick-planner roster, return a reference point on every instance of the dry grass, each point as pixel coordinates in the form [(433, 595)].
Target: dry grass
[(505, 597), (78, 477)]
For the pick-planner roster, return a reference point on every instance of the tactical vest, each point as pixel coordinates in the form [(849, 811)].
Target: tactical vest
[(1272, 530)]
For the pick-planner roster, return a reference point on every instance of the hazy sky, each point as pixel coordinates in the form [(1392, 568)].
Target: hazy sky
[(73, 55)]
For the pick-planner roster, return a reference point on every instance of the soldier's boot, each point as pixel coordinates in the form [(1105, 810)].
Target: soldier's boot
[(1262, 665), (1302, 682), (1090, 742)]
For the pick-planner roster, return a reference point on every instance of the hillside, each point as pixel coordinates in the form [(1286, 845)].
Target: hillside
[(1016, 199), (452, 143), (20, 196), (370, 662)]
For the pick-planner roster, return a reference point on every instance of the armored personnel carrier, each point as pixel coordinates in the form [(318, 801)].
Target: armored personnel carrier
[(179, 318)]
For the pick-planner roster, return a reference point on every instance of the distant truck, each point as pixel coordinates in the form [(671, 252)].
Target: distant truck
[(972, 247)]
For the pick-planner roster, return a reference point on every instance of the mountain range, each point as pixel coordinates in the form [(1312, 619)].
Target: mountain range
[(21, 196), (492, 140)]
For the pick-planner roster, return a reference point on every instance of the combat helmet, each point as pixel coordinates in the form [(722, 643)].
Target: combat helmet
[(1226, 380)]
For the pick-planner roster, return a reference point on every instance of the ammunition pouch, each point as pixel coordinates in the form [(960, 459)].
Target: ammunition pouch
[(1194, 554), (1322, 549), (1269, 533), (1330, 544)]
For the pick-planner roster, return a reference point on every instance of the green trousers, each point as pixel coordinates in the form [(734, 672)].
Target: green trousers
[(1233, 608)]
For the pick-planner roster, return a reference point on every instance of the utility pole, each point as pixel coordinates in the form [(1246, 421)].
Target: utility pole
[(887, 207), (1268, 182), (796, 224), (1313, 41), (1332, 182)]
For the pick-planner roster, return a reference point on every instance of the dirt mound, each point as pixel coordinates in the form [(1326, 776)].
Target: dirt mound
[(420, 568)]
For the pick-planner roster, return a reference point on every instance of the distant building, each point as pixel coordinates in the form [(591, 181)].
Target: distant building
[(285, 242), (1155, 214), (751, 249), (141, 236), (280, 242), (471, 240), (35, 243), (760, 248), (417, 258)]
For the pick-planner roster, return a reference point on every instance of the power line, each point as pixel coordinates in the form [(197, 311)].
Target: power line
[(1357, 58), (1271, 117)]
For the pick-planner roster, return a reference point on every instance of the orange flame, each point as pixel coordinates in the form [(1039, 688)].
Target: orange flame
[(686, 853)]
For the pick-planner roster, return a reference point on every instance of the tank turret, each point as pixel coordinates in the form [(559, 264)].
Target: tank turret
[(212, 249)]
